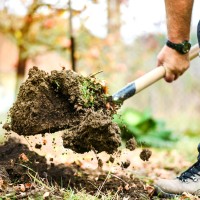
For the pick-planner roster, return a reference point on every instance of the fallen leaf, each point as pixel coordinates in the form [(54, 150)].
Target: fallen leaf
[(150, 190), (22, 187), (186, 196), (28, 185), (127, 187), (23, 157), (46, 194)]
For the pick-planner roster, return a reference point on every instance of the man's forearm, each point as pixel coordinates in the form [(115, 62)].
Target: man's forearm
[(178, 13)]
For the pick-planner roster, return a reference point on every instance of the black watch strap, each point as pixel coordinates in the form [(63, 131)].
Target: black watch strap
[(172, 45), (182, 48)]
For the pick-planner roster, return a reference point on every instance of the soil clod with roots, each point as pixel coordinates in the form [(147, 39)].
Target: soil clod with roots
[(65, 100)]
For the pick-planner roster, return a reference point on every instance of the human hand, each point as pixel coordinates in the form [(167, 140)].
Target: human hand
[(174, 63)]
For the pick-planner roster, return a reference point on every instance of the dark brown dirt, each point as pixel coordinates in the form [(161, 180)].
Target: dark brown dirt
[(111, 159), (145, 154), (131, 144), (64, 100), (77, 105), (19, 162), (125, 164)]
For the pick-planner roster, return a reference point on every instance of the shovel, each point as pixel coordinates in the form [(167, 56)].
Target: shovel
[(147, 79)]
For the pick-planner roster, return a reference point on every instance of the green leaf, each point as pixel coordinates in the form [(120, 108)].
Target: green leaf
[(146, 129)]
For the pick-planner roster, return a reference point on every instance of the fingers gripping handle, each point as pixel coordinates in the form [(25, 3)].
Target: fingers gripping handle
[(159, 72), (147, 79), (139, 84)]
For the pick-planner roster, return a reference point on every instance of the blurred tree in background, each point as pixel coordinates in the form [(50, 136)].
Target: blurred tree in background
[(35, 33)]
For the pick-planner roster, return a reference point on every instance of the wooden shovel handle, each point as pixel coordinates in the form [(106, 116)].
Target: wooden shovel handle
[(147, 79), (159, 72)]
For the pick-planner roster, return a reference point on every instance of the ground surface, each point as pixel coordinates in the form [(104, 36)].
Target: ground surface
[(40, 164), (21, 160), (64, 100), (31, 163)]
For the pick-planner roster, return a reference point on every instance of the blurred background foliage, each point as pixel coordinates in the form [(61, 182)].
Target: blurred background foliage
[(52, 34), (147, 130)]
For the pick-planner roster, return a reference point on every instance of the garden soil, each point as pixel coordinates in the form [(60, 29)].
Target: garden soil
[(65, 100), (78, 107), (25, 173)]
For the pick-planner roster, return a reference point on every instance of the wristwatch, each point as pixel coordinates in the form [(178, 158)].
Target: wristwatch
[(182, 48)]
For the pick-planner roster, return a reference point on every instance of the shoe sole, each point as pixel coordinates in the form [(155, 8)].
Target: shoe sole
[(161, 193)]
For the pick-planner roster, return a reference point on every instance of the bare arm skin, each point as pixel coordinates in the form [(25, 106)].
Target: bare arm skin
[(178, 15)]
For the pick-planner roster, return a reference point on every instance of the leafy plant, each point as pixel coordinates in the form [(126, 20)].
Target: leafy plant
[(87, 94), (145, 128)]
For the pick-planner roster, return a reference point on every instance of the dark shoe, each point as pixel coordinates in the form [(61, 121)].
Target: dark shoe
[(188, 181)]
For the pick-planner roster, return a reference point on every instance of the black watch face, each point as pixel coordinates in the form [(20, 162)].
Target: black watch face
[(186, 47)]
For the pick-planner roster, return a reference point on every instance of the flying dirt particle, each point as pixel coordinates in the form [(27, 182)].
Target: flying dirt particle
[(51, 159), (100, 162), (44, 141), (119, 152), (111, 159), (145, 154), (7, 127), (125, 164), (131, 144), (38, 146)]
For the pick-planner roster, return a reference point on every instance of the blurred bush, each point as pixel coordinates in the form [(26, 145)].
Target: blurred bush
[(147, 130)]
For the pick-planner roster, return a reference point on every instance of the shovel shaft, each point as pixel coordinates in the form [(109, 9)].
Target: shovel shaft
[(147, 79)]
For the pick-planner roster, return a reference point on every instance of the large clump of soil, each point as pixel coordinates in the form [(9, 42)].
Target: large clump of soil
[(65, 100)]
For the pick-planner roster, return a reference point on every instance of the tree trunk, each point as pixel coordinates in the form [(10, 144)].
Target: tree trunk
[(114, 22), (20, 73), (72, 39)]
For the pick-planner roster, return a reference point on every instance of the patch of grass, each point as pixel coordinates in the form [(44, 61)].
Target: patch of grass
[(56, 85), (87, 94), (90, 88), (81, 195), (41, 188)]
